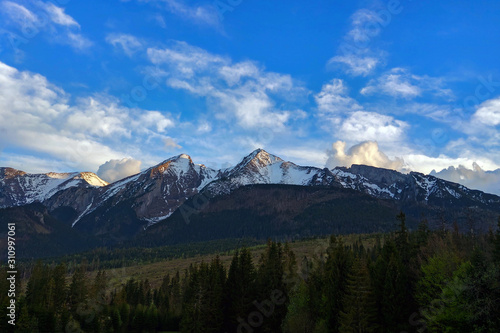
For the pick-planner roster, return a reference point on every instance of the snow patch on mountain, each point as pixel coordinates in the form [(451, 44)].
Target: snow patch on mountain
[(21, 188)]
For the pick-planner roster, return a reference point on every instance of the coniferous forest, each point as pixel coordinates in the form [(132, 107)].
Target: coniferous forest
[(419, 281)]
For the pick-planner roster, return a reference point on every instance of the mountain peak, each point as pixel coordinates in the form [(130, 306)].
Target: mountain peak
[(10, 173), (178, 163), (261, 157), (92, 179), (253, 163), (179, 158)]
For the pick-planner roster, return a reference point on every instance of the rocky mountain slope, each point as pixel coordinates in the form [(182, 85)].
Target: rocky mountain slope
[(125, 208), (19, 188)]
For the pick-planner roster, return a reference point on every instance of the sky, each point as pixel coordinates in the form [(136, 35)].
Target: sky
[(114, 87)]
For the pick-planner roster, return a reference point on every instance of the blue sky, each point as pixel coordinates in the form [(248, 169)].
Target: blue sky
[(123, 85)]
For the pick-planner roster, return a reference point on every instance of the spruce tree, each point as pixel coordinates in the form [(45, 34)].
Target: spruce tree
[(337, 271), (239, 290), (60, 296), (270, 284), (77, 289), (496, 250), (359, 311)]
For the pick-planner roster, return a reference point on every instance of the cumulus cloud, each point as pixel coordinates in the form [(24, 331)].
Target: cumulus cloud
[(114, 170), (156, 120), (475, 178), (366, 153), (399, 82), (40, 118), (488, 113), (241, 93)]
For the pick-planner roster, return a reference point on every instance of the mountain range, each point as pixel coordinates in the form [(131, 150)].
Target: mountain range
[(262, 196)]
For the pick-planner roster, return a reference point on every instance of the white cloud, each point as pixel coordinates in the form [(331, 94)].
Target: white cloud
[(37, 117), (30, 163), (354, 54), (171, 144), (233, 74), (78, 41), (372, 126), (204, 127), (157, 120), (366, 153), (363, 26), (44, 18), (481, 129), (399, 82), (237, 92), (333, 98), (58, 16), (114, 170), (419, 161), (355, 64), (200, 14), (488, 113), (301, 155), (475, 178), (452, 169), (99, 118), (19, 14), (128, 43), (185, 59)]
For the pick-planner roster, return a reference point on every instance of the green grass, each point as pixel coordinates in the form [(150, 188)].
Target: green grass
[(155, 272)]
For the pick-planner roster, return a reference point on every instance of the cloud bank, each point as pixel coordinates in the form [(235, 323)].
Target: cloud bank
[(366, 152), (475, 178)]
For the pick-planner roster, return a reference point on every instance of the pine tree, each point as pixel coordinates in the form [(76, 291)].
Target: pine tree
[(78, 289), (402, 240), (59, 276), (289, 267), (25, 323), (203, 310), (298, 318), (239, 290), (423, 232), (496, 250), (337, 271), (270, 283), (359, 311)]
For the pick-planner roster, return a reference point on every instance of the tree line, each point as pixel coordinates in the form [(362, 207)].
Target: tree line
[(418, 281)]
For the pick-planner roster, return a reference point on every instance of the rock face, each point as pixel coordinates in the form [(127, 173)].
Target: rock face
[(156, 193)]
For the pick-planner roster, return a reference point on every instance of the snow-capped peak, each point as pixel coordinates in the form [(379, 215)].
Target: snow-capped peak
[(93, 179), (6, 173), (20, 188), (258, 158)]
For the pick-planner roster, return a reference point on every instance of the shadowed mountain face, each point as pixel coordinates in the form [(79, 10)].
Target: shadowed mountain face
[(261, 196)]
